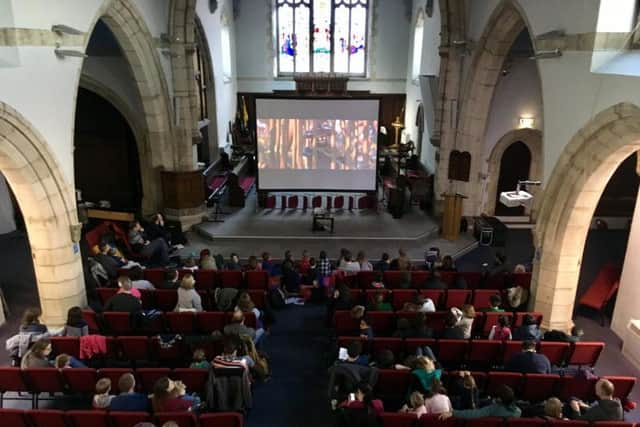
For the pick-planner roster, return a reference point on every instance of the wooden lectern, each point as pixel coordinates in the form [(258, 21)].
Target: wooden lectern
[(452, 215)]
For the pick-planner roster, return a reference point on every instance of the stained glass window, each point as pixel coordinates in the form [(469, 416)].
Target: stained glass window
[(322, 36)]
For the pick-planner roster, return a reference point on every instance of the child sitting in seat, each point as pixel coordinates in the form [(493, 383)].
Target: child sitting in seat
[(200, 360), (501, 331), (62, 361), (416, 405), (102, 398)]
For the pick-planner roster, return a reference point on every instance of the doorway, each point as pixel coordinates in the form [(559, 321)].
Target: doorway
[(514, 166)]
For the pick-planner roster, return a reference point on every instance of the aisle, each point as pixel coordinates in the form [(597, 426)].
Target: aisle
[(296, 394)]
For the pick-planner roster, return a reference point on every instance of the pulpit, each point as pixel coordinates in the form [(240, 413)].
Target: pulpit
[(452, 215)]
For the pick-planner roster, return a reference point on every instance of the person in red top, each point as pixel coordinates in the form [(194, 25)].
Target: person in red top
[(168, 396), (304, 263), (363, 398)]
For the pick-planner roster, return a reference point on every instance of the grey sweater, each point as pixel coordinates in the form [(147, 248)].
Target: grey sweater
[(602, 410)]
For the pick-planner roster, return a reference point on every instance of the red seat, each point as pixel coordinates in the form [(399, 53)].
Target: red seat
[(585, 353), (105, 293), (486, 352), (622, 386), (67, 345), (435, 320), (393, 419), (539, 387), (155, 275), (168, 355), (80, 380), (452, 351), (43, 380), (166, 299), (225, 419), (270, 202), (13, 417), (117, 323), (472, 278), (510, 349), (147, 297), (484, 422), (93, 418), (181, 322), (316, 202), (511, 379), (448, 277), (579, 387), (430, 420), (411, 344), (338, 202), (602, 289), (257, 280), (230, 279), (520, 317), (435, 295), (91, 318), (47, 418), (526, 422), (195, 379), (382, 322), (365, 278), (392, 279), (210, 321), (259, 297), (491, 319), (391, 382), (613, 424), (183, 419), (128, 419), (11, 380), (394, 344), (345, 324), (292, 202), (457, 297), (402, 296), (371, 295), (568, 423), (418, 278), (481, 298), (135, 348), (556, 352), (114, 375), (205, 279), (149, 376)]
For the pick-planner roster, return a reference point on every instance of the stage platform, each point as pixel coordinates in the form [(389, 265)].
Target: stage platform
[(249, 232)]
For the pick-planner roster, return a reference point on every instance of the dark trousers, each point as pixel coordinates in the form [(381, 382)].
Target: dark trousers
[(157, 250)]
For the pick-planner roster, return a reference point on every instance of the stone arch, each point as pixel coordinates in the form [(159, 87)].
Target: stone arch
[(532, 138), (569, 200), (48, 205)]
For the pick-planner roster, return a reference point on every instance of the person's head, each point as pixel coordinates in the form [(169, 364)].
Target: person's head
[(528, 345), (447, 261), (364, 324), (468, 311), (103, 247), (62, 361), (190, 262), (577, 332), (419, 299), (416, 399), (41, 348), (234, 258), (170, 424), (347, 256), (495, 301), (305, 253), (204, 253), (360, 257), (162, 389), (103, 386), (171, 275), (230, 346), (312, 262), (528, 320), (74, 316), (503, 321), (266, 256), (385, 257), (199, 355), (159, 219), (135, 226), (377, 277), (468, 381), (354, 349), (187, 282), (385, 359), (323, 254), (364, 392), (604, 389), (135, 273), (357, 311), (124, 282), (31, 316), (287, 255), (553, 407), (519, 269), (126, 383), (450, 320), (237, 317), (252, 262), (402, 253), (505, 395), (436, 388), (426, 363), (245, 303)]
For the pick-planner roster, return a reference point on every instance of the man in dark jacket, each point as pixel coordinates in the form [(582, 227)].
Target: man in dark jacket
[(606, 408), (128, 399), (344, 376), (123, 301), (528, 361), (107, 261)]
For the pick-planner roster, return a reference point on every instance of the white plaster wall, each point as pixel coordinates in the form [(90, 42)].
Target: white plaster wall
[(517, 94), (430, 65), (226, 89), (43, 14), (627, 307), (388, 49)]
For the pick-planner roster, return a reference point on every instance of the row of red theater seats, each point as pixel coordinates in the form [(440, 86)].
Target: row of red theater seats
[(205, 322), (393, 384), (473, 279), (409, 420), (489, 352), (337, 202), (210, 279), (442, 298), (96, 418), (384, 323), (166, 299)]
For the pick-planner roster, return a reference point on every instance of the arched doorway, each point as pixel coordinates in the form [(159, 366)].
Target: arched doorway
[(47, 202), (565, 211), (514, 166)]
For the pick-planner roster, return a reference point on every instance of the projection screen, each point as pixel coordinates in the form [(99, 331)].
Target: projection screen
[(317, 144)]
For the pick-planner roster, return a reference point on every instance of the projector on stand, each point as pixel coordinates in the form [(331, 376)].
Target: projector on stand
[(519, 197)]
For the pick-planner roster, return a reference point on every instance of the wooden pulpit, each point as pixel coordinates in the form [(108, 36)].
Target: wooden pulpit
[(452, 215)]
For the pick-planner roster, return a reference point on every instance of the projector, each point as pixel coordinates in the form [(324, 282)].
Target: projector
[(512, 199)]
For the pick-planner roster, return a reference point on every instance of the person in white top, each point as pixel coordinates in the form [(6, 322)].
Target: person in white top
[(416, 402), (437, 402), (365, 265), (465, 319), (350, 267), (188, 297)]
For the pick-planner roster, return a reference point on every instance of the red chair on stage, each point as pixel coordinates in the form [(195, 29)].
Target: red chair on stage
[(270, 202), (316, 202), (602, 290), (292, 202), (338, 203), (365, 202)]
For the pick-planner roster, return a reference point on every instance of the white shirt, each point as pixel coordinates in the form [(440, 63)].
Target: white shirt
[(143, 284), (427, 306), (351, 266), (438, 404)]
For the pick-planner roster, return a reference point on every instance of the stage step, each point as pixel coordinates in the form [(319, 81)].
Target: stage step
[(516, 222)]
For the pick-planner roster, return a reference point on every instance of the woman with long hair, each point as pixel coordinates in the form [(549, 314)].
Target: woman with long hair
[(168, 396), (75, 326), (38, 355), (363, 399), (30, 323)]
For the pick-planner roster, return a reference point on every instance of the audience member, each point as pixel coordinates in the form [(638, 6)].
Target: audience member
[(102, 399), (519, 269), (311, 276), (561, 336), (384, 264), (349, 266), (341, 259), (62, 361), (190, 263), (188, 298), (605, 408), (38, 355), (199, 359), (75, 326), (303, 264), (156, 249), (171, 279), (403, 328), (553, 409), (419, 326), (156, 229), (385, 359), (365, 265), (267, 263), (107, 261), (495, 303), (434, 281), (124, 301), (447, 264), (529, 331), (168, 396), (452, 331), (237, 327), (402, 263), (436, 400), (225, 298), (354, 354), (467, 315), (363, 399), (377, 282), (379, 303), (252, 264), (229, 357), (528, 361), (128, 399), (137, 279), (503, 406), (464, 392), (416, 405), (133, 291), (405, 280), (290, 278), (30, 323), (424, 375), (207, 262), (366, 331), (324, 267), (501, 331), (234, 263), (246, 305)]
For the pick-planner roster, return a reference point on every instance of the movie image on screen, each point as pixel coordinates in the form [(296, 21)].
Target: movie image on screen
[(317, 144)]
